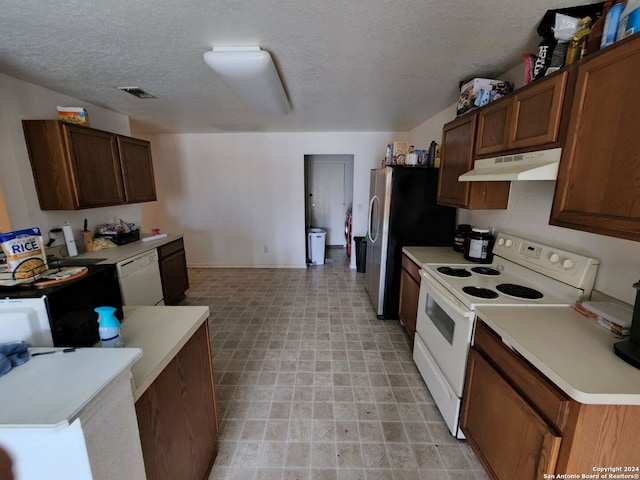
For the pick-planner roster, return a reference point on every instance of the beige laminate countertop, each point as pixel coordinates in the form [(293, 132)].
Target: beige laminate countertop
[(122, 252), (571, 350), (421, 255), (49, 391), (160, 332)]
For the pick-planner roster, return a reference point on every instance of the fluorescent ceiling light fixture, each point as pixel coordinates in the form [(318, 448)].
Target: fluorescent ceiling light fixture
[(251, 74)]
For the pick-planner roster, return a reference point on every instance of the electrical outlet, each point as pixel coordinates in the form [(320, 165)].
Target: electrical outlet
[(266, 249)]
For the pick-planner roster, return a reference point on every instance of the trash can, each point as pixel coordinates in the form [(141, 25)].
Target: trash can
[(361, 254), (315, 244)]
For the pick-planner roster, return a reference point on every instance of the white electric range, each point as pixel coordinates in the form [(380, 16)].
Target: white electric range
[(522, 272)]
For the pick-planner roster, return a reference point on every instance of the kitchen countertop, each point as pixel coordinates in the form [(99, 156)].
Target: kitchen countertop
[(571, 350), (51, 390), (122, 252), (160, 332), (420, 255)]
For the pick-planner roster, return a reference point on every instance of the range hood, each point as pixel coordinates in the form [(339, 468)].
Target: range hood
[(540, 165)]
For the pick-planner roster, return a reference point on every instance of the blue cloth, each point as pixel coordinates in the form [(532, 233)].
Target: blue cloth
[(13, 355)]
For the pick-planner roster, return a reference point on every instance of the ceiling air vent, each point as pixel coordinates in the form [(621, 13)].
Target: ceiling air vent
[(137, 91)]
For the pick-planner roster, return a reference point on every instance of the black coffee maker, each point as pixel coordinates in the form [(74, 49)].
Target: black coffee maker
[(629, 350)]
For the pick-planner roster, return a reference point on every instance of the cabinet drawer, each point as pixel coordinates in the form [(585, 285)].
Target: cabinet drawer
[(412, 269), (169, 248), (549, 401)]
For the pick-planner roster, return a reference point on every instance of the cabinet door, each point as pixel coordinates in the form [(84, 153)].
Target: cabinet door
[(598, 187), (137, 169), (409, 293), (537, 111), (49, 164), (493, 127), (177, 415), (95, 166), (509, 437), (457, 158), (173, 271)]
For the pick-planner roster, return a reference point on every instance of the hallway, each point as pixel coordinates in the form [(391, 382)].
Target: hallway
[(311, 385)]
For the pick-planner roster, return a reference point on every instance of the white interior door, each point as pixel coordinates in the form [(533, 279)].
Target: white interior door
[(327, 209)]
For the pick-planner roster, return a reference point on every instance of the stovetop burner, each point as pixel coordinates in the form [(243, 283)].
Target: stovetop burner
[(519, 291), (480, 292), (454, 272), (485, 271)]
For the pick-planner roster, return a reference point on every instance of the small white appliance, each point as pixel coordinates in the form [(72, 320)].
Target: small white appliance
[(139, 279), (25, 320), (522, 273)]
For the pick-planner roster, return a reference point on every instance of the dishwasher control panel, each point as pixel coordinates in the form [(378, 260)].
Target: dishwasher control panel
[(134, 264)]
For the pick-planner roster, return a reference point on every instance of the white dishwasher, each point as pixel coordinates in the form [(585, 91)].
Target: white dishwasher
[(139, 279)]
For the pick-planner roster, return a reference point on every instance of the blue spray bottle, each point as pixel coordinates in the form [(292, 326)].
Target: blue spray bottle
[(108, 327)]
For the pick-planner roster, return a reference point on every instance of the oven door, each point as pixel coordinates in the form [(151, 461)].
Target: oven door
[(443, 334), (445, 326)]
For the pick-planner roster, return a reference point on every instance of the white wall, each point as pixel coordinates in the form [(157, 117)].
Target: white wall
[(528, 216), (231, 194), (24, 101)]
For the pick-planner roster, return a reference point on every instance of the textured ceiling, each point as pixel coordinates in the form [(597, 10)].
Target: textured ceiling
[(355, 65)]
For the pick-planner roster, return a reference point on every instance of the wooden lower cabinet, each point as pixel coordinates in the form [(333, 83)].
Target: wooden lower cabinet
[(409, 293), (493, 409), (520, 425), (173, 271), (177, 415)]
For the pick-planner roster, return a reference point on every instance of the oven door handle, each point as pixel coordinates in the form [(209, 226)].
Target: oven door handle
[(442, 296)]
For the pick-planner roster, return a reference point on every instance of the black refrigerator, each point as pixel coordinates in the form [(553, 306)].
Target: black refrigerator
[(402, 212)]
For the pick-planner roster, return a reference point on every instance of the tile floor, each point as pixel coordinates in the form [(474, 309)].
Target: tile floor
[(312, 386)]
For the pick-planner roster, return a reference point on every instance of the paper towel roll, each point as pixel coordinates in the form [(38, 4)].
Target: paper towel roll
[(72, 250)]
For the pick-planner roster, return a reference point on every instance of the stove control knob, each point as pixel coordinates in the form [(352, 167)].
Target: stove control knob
[(567, 264), (501, 241), (509, 242), (554, 258)]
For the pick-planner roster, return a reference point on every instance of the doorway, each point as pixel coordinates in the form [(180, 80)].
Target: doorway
[(328, 195)]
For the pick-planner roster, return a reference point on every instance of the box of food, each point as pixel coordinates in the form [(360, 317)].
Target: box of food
[(612, 316), (397, 153), (480, 91), (76, 115), (25, 254)]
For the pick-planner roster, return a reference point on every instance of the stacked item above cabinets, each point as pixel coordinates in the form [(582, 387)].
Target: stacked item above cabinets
[(575, 109)]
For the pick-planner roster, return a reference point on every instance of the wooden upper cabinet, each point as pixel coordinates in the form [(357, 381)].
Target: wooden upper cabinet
[(457, 158), (530, 118), (493, 127), (76, 167), (598, 187), (137, 169)]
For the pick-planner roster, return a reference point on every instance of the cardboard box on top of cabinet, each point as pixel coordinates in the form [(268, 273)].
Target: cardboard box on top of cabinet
[(397, 153), (75, 115), (480, 91)]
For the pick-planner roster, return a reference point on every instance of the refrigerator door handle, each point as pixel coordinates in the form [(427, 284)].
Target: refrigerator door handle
[(373, 235)]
